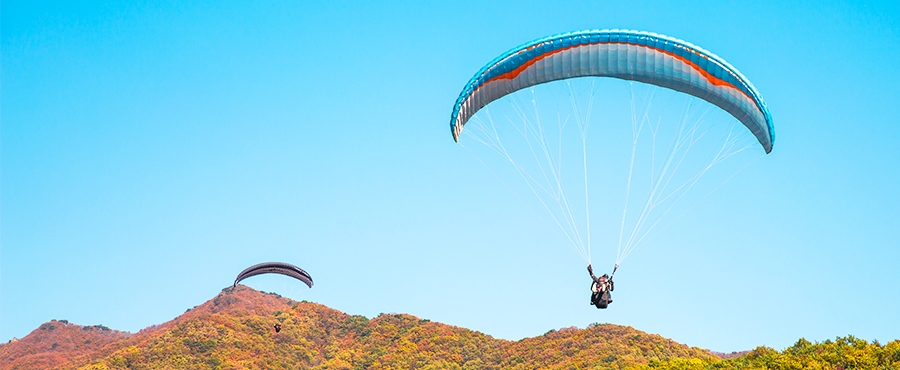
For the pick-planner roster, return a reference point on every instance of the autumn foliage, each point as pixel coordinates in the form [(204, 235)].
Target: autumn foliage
[(57, 343), (235, 331)]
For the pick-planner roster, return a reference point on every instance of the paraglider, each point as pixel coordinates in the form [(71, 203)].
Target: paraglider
[(601, 288), (647, 58), (275, 268), (629, 55)]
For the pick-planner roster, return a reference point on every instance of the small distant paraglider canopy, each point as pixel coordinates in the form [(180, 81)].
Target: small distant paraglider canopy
[(275, 268)]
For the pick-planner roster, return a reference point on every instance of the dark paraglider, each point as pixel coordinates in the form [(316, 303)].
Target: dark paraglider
[(275, 268)]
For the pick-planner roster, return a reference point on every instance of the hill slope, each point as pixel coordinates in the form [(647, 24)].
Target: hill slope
[(57, 343), (235, 331)]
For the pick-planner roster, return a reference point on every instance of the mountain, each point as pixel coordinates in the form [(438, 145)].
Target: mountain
[(57, 343), (235, 330)]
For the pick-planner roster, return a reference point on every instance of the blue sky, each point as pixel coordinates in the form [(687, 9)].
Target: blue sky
[(152, 150)]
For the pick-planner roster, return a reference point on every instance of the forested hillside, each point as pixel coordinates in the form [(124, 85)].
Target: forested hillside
[(57, 343), (235, 330), (841, 354)]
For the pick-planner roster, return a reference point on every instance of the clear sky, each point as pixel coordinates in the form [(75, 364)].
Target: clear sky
[(152, 150)]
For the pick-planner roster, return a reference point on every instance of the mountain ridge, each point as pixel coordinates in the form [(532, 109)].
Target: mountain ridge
[(319, 336), (236, 330)]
